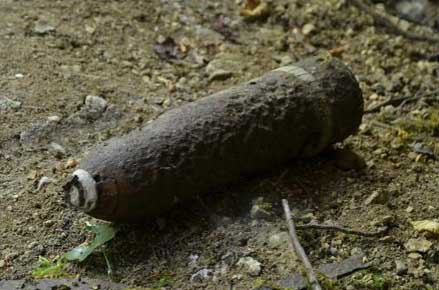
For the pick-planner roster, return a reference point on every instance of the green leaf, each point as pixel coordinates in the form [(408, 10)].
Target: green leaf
[(103, 233)]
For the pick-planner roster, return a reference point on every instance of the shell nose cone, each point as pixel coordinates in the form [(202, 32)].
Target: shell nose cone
[(81, 192)]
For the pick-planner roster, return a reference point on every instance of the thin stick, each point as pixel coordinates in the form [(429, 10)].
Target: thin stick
[(385, 20), (312, 278), (398, 101), (343, 230), (107, 261)]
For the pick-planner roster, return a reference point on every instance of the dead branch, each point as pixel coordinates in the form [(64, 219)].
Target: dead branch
[(378, 232), (385, 20), (401, 101), (312, 278)]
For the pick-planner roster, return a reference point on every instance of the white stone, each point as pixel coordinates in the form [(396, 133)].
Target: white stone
[(251, 266)]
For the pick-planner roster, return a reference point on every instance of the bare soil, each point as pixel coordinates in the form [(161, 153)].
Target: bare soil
[(55, 53)]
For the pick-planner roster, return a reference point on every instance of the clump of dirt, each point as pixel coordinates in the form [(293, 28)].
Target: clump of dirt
[(75, 73)]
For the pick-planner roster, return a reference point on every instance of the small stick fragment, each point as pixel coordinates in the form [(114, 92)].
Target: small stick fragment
[(312, 278), (344, 230)]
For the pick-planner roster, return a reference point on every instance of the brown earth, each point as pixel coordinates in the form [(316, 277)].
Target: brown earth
[(55, 53)]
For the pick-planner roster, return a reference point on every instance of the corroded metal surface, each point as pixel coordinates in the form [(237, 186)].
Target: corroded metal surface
[(295, 111)]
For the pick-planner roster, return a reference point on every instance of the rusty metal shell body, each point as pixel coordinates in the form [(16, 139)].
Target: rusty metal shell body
[(295, 111)]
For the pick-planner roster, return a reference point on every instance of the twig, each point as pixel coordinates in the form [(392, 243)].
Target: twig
[(382, 125), (399, 101), (312, 278), (107, 261), (344, 230), (385, 20)]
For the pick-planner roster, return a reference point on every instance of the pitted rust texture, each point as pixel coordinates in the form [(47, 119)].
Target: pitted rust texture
[(214, 141)]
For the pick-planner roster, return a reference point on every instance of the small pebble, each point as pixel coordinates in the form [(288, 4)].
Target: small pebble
[(377, 197), (420, 245), (43, 29), (278, 240), (202, 275), (308, 28), (373, 97), (54, 119), (7, 104), (401, 268), (259, 213), (220, 75), (251, 266), (414, 256), (94, 106), (49, 223), (32, 245), (44, 181), (57, 150), (71, 163)]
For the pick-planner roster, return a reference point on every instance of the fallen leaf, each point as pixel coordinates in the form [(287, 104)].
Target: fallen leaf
[(103, 233)]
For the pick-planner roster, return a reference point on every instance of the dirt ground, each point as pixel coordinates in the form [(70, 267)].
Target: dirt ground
[(144, 57)]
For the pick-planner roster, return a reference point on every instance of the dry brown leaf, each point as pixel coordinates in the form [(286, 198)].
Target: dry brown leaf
[(255, 9)]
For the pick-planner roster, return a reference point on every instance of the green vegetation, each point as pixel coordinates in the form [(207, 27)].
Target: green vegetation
[(50, 269), (425, 122), (370, 279), (103, 233), (164, 281)]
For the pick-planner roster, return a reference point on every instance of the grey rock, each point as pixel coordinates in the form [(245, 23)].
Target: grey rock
[(44, 181), (57, 150), (308, 28), (37, 132), (423, 149), (94, 107), (43, 28), (251, 266), (295, 281), (420, 245), (333, 270), (202, 275), (333, 251), (345, 267), (286, 60), (278, 240), (220, 75), (412, 10), (193, 260), (222, 67), (207, 35), (229, 258), (54, 119), (400, 267), (259, 212), (7, 105)]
